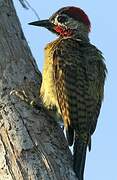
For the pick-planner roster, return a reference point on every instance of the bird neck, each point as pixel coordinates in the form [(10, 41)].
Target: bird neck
[(81, 34)]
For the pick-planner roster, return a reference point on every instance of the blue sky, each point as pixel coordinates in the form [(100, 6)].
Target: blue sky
[(102, 160)]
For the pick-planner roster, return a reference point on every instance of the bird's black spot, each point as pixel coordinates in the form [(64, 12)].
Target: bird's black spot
[(25, 77), (8, 14)]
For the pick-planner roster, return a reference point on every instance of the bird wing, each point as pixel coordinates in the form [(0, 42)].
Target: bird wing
[(96, 74), (65, 76)]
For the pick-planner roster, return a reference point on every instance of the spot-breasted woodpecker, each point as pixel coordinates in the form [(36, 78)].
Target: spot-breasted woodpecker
[(73, 79)]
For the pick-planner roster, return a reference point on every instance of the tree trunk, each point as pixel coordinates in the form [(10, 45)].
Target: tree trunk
[(32, 145)]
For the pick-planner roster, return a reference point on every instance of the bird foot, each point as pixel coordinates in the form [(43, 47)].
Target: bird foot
[(21, 94)]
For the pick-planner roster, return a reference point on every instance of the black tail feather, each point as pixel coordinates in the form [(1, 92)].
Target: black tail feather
[(70, 135), (80, 149)]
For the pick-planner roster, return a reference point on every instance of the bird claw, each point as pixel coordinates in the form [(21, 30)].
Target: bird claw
[(23, 96)]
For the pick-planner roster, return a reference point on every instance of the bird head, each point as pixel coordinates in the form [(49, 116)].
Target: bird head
[(67, 21)]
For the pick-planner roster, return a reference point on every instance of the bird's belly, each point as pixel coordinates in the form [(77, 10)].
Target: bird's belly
[(48, 92), (48, 89)]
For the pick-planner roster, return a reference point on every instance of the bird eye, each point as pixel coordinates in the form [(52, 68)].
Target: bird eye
[(62, 19)]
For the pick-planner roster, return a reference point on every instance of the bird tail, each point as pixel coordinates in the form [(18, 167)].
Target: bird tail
[(79, 156)]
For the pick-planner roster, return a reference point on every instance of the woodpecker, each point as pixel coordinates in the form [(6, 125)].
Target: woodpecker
[(73, 79)]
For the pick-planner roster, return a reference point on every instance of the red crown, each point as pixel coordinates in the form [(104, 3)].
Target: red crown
[(77, 14)]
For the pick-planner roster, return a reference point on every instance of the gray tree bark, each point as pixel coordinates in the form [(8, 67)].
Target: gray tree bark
[(32, 145)]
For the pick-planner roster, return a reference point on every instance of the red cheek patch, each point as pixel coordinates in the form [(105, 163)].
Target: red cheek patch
[(62, 31)]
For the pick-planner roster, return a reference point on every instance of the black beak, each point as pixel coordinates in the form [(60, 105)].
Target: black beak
[(44, 23)]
